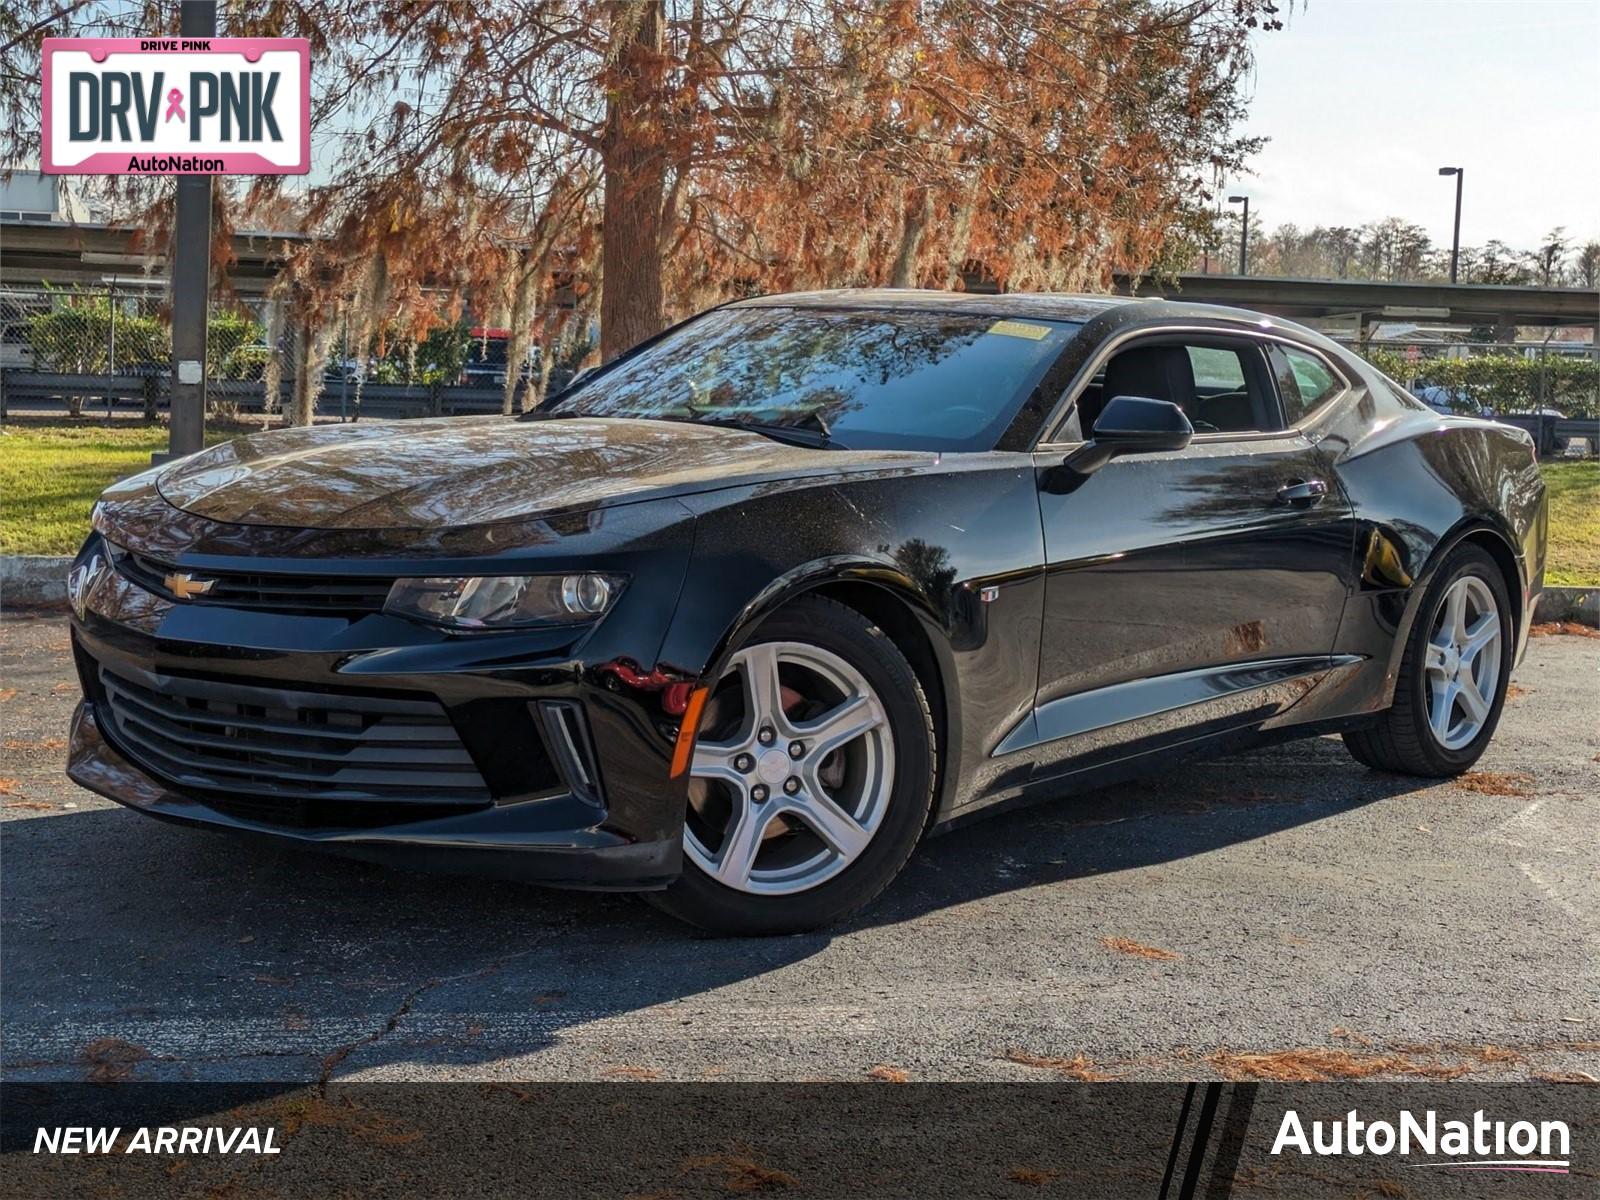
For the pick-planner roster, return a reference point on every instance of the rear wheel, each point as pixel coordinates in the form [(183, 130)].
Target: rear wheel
[(811, 780), (1453, 677)]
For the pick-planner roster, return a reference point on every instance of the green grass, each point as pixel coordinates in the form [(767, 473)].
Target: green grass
[(1574, 523), (50, 475)]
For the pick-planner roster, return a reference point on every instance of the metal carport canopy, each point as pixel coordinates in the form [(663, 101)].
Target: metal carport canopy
[(1461, 303)]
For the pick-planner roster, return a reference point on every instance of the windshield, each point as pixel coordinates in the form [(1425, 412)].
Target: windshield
[(872, 379)]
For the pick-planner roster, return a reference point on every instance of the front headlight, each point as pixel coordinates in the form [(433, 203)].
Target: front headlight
[(504, 601)]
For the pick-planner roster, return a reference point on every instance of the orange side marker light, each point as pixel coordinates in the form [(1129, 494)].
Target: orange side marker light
[(683, 752)]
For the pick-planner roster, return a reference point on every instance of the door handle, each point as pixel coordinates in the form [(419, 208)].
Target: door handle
[(1302, 493)]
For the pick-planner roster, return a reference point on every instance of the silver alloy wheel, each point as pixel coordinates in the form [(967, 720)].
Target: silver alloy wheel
[(1462, 669), (804, 793)]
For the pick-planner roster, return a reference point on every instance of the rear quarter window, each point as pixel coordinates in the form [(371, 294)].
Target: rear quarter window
[(1305, 382)]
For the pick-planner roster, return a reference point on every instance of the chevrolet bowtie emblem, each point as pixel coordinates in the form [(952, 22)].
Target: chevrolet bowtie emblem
[(185, 586)]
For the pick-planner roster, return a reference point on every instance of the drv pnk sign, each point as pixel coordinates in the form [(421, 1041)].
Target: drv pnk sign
[(177, 106)]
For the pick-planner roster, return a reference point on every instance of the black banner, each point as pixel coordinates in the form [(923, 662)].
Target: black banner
[(680, 1141)]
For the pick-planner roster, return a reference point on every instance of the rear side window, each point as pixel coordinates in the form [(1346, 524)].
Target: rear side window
[(1305, 382), (1215, 369)]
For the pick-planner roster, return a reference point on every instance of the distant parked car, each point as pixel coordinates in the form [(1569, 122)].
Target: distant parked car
[(1449, 400), (348, 370)]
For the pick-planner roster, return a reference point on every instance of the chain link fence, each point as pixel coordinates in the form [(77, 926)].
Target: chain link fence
[(112, 346), (110, 349)]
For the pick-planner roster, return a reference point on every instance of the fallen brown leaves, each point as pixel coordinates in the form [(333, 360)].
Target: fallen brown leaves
[(302, 1110), (1562, 629), (1079, 1066), (1033, 1177), (31, 805), (884, 1073), (1496, 783), (8, 786), (1389, 1188), (110, 1059), (627, 1071), (741, 1172), (1565, 1077), (1513, 692), (1319, 1065), (1496, 1054), (1124, 945), (7, 694), (50, 743)]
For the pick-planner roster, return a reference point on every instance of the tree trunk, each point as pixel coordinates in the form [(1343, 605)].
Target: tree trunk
[(272, 375), (634, 156), (317, 341), (525, 283), (919, 211)]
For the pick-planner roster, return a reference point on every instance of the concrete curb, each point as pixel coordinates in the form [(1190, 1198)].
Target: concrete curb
[(33, 581), (1577, 604), (39, 581)]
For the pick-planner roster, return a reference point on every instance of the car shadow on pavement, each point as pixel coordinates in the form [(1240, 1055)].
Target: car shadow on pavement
[(136, 949)]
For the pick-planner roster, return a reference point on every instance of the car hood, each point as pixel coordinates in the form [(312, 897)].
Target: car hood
[(475, 470)]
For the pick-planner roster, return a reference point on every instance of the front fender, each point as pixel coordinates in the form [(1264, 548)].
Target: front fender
[(951, 560), (711, 619)]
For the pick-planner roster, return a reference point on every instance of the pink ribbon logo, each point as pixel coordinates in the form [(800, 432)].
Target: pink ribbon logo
[(175, 105)]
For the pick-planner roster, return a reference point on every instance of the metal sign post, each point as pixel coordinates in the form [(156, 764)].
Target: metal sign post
[(191, 279), (202, 105)]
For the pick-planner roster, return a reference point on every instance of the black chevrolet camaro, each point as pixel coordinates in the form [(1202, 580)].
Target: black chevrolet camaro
[(739, 617)]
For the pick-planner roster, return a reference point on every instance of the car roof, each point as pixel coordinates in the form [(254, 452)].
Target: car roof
[(1045, 306)]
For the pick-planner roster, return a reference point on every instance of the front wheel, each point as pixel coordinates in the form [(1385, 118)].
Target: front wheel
[(811, 780), (1453, 676)]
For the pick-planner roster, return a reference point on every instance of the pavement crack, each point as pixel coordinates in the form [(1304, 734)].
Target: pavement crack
[(339, 1053)]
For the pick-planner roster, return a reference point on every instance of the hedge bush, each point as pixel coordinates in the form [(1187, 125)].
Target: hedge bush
[(1506, 383), (74, 338)]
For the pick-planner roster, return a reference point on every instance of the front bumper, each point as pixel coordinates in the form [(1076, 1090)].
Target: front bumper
[(499, 842), (540, 755)]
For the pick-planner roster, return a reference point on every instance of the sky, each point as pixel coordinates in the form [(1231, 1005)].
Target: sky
[(1365, 100)]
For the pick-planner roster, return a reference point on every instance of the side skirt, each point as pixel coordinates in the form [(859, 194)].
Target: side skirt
[(1088, 777), (1243, 688), (1114, 733)]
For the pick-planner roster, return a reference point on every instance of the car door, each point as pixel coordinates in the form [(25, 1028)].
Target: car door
[(1187, 593)]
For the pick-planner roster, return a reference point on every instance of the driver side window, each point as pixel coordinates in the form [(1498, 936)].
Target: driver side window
[(1221, 386)]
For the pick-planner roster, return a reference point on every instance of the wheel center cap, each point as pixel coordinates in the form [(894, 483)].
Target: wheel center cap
[(773, 767), (1452, 660)]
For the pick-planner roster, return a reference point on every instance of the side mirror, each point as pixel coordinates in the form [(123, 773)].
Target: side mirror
[(1131, 425)]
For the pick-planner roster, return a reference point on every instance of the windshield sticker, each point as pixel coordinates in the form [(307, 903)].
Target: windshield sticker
[(1021, 329)]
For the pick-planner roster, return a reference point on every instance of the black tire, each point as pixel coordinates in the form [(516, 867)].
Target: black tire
[(1401, 740), (703, 901)]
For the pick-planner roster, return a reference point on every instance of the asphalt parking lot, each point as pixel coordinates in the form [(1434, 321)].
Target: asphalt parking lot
[(1204, 923)]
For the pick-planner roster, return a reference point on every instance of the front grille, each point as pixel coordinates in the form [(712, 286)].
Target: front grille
[(291, 593), (292, 757)]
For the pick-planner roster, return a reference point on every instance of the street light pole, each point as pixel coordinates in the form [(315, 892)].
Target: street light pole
[(1455, 238), (1244, 233)]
